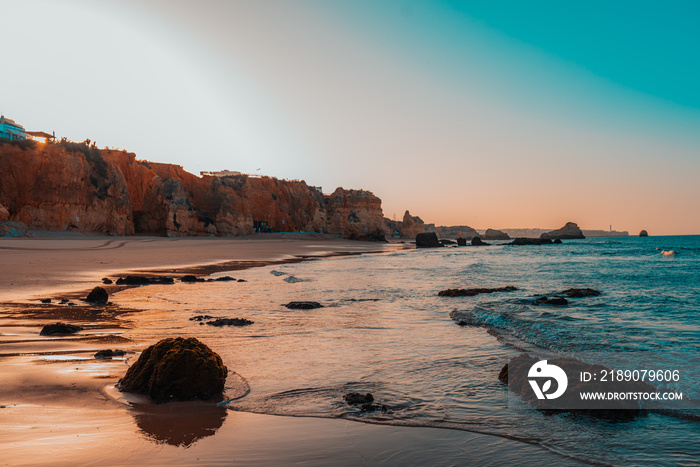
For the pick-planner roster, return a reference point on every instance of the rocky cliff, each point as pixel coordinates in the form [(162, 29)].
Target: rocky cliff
[(70, 186)]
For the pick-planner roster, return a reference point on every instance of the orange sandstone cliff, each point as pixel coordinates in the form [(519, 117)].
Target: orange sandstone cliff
[(70, 186)]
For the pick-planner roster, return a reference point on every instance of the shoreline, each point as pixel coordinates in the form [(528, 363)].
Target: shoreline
[(63, 381)]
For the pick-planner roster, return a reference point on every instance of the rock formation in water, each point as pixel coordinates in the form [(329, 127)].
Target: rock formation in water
[(643, 233), (427, 240), (454, 231), (493, 234), (176, 369), (72, 186), (568, 232)]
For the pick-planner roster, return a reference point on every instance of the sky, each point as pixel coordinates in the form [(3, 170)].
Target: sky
[(491, 114)]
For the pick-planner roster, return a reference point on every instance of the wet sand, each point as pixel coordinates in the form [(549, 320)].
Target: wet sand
[(58, 405)]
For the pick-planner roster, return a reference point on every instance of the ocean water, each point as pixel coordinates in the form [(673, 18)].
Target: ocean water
[(384, 330)]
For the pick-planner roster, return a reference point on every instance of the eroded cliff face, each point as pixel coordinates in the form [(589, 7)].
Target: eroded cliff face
[(53, 189), (74, 187), (356, 214)]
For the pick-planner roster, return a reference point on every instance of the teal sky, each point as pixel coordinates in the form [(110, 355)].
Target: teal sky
[(491, 114)]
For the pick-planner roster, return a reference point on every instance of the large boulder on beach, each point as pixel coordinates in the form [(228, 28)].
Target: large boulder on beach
[(427, 240), (569, 231), (176, 369), (98, 296)]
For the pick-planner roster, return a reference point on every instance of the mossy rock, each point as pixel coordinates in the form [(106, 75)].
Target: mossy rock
[(176, 369)]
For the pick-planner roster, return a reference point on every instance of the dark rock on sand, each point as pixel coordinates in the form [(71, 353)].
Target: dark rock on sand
[(224, 279), (143, 280), (45, 300), (556, 301), (106, 280), (59, 328), (472, 292), (110, 353), (190, 279), (461, 241), (98, 296), (476, 241), (569, 231), (230, 322), (580, 293), (176, 369), (643, 233), (241, 280), (353, 398), (64, 301), (427, 240), (447, 242), (530, 241), (303, 305)]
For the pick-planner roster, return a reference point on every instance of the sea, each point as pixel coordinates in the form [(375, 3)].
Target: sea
[(434, 361)]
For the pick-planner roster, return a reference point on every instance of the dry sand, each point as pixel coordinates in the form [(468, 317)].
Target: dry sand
[(58, 405)]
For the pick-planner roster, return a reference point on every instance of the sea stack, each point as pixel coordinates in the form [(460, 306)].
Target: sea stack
[(427, 240), (569, 232), (643, 233), (493, 234)]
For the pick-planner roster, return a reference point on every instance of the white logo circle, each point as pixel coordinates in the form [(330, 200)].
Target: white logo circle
[(542, 369)]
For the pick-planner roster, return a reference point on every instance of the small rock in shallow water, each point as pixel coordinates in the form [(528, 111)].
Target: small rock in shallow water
[(475, 291), (224, 279), (303, 305), (230, 322), (106, 281), (176, 369), (59, 328), (579, 293), (356, 398), (556, 301), (45, 300), (109, 353), (201, 318)]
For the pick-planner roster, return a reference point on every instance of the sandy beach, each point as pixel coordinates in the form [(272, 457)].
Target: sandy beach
[(58, 405)]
